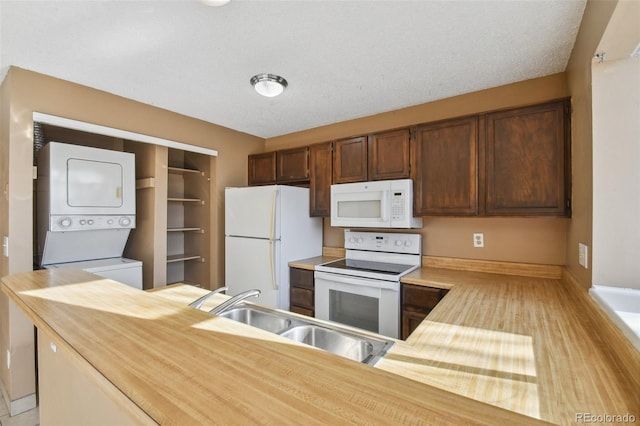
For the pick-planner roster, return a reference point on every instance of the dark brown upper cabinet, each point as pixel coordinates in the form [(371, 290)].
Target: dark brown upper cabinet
[(320, 173), (262, 168), (292, 165), (527, 165), (284, 166), (445, 171), (389, 155), (350, 160)]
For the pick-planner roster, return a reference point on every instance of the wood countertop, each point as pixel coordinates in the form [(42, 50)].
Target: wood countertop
[(311, 262), (536, 346), (183, 366)]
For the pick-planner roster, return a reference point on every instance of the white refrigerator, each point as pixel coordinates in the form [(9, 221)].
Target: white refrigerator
[(266, 227)]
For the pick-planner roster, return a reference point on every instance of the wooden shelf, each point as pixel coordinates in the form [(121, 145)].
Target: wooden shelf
[(182, 170), (185, 230), (183, 257), (185, 200)]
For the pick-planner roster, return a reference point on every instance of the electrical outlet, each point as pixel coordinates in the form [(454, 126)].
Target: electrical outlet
[(478, 239), (583, 255)]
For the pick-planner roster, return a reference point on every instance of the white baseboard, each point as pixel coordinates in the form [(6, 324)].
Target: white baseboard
[(19, 405)]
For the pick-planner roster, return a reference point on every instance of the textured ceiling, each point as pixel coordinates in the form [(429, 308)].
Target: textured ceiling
[(342, 59)]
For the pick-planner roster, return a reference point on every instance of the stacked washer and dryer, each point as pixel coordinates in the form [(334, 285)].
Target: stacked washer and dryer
[(86, 210)]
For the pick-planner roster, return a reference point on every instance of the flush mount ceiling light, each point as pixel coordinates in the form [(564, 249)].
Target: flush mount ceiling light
[(268, 85), (215, 3)]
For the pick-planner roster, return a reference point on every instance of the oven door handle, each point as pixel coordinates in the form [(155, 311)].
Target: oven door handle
[(365, 282)]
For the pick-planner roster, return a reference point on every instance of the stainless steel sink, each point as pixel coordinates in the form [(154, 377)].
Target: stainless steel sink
[(257, 318), (359, 349), (348, 343)]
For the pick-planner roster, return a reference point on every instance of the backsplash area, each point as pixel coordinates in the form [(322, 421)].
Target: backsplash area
[(526, 240)]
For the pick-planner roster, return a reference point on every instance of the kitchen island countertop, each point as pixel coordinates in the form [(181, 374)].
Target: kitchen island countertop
[(171, 364)]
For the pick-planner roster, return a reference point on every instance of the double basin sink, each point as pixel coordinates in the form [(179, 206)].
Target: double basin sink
[(350, 344)]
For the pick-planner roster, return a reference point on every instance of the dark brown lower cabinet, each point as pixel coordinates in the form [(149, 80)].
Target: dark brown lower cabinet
[(302, 295), (417, 301)]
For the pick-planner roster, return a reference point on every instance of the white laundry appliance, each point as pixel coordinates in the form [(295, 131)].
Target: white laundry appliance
[(86, 210), (126, 271), (266, 227)]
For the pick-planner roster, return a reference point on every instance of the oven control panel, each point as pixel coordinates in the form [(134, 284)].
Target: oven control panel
[(63, 223), (383, 242)]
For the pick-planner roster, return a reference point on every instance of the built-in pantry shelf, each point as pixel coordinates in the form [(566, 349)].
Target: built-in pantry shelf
[(183, 170), (200, 230), (189, 193), (185, 200), (183, 257)]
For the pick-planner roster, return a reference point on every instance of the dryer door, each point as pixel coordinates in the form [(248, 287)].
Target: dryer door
[(93, 183)]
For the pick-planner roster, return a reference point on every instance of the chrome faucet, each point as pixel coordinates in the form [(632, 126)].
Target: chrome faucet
[(199, 302), (234, 301)]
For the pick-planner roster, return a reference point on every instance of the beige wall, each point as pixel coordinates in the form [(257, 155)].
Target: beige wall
[(24, 92), (595, 19), (531, 240), (36, 92)]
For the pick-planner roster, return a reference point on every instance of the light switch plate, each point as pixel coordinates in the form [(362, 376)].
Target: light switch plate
[(583, 255)]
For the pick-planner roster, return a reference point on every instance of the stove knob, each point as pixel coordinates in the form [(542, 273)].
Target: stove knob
[(90, 222), (110, 222), (65, 222), (352, 240), (82, 221), (360, 240), (407, 243), (125, 221), (398, 242)]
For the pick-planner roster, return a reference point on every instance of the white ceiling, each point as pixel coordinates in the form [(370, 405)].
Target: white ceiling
[(342, 59)]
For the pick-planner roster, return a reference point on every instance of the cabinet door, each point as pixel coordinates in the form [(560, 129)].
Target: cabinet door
[(527, 153), (292, 165), (350, 160), (389, 155), (445, 168), (320, 174), (410, 321), (417, 301), (262, 168)]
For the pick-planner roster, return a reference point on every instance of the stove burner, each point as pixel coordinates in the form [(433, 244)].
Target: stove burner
[(369, 266)]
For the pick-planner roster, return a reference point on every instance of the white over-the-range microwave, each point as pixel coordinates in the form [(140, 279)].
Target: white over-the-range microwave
[(377, 204)]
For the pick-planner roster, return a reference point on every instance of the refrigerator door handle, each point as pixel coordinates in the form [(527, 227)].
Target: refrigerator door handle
[(272, 248), (272, 222), (272, 232)]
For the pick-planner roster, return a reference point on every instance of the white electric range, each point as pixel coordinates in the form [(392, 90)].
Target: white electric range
[(363, 289)]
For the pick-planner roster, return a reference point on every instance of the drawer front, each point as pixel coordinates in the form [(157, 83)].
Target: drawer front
[(302, 311), (301, 278), (302, 297)]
